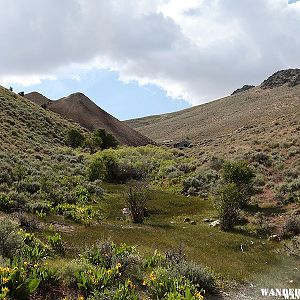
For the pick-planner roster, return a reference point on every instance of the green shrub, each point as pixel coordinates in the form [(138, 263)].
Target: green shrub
[(228, 204), (136, 199), (197, 275), (94, 142), (108, 140), (56, 243), (191, 186), (103, 167), (107, 254), (74, 138), (163, 284), (39, 206), (292, 226), (240, 174), (6, 204), (79, 213), (237, 172), (11, 241)]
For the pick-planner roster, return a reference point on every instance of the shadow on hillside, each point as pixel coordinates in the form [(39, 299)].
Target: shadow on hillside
[(214, 297), (267, 211)]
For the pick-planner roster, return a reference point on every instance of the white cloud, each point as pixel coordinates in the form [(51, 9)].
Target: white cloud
[(196, 50)]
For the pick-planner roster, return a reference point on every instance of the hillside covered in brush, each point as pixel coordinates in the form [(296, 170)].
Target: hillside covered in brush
[(85, 112), (258, 124), (275, 102)]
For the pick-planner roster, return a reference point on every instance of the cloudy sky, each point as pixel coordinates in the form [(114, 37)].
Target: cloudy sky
[(141, 57)]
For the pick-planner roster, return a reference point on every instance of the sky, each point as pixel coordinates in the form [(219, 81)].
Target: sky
[(142, 57)]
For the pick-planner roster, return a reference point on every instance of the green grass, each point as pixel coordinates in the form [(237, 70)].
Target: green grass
[(165, 228)]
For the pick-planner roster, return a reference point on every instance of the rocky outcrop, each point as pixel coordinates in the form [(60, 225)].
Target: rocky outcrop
[(290, 77), (243, 89)]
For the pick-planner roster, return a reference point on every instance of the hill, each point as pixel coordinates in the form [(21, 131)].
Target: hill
[(260, 125), (29, 134), (85, 112), (278, 98)]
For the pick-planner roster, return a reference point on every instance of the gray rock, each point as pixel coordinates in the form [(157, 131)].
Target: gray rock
[(215, 223)]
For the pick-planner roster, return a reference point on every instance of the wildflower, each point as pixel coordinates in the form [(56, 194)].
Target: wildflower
[(4, 290), (145, 282), (5, 280), (130, 284), (199, 296), (109, 272), (152, 276), (25, 263), (118, 266), (80, 298)]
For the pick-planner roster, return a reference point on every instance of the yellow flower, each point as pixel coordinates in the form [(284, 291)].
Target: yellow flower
[(152, 276), (199, 296), (145, 282), (130, 284), (5, 280), (5, 290), (109, 272), (80, 298), (118, 266)]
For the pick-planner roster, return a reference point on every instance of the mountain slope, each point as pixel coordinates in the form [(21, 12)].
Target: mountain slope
[(260, 125), (31, 138), (82, 110), (37, 98), (224, 116)]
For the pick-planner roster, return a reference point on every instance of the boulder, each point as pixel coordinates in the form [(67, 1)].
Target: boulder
[(215, 223)]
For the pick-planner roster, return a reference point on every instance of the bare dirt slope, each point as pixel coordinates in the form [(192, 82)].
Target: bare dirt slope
[(84, 111)]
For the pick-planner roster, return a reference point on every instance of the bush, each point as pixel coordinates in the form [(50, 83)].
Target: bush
[(197, 275), (94, 142), (74, 138), (108, 140), (39, 206), (109, 167), (103, 167), (107, 254), (191, 186), (80, 214), (11, 241), (240, 174), (228, 204), (292, 226), (136, 199), (261, 158), (56, 243), (162, 283)]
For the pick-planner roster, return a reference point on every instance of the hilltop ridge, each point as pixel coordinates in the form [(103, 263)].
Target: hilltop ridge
[(81, 109), (277, 97)]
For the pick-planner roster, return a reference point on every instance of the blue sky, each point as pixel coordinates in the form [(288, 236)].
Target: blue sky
[(122, 100), (141, 57)]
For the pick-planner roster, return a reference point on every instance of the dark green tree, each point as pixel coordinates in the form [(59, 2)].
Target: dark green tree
[(74, 138), (94, 142), (108, 140)]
